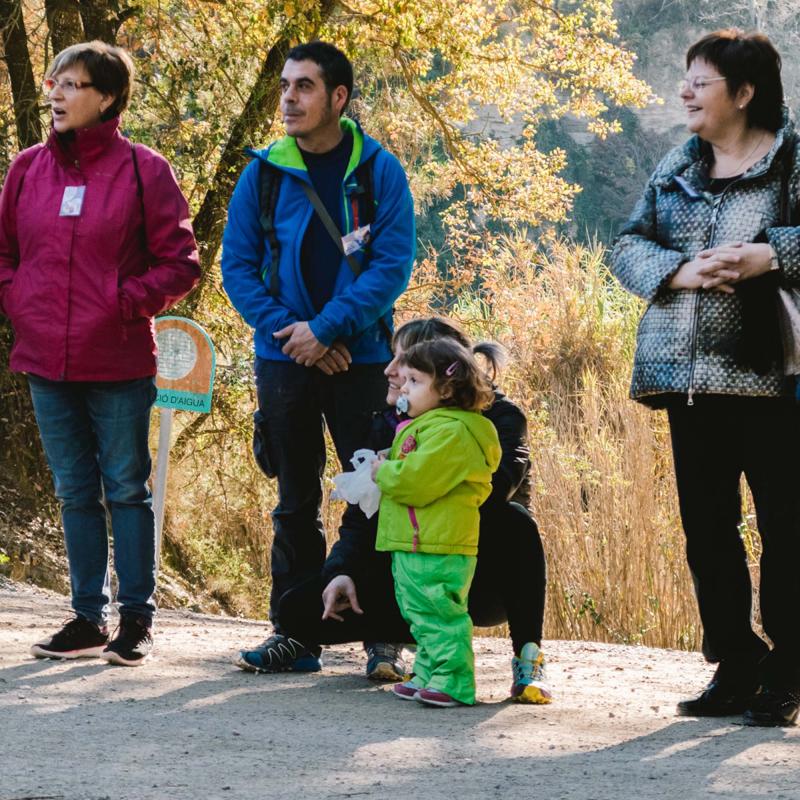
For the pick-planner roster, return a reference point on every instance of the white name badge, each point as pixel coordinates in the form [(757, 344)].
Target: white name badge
[(355, 240), (72, 201)]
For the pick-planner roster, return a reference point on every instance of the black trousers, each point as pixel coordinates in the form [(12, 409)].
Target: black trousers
[(714, 443), (509, 586), (293, 401)]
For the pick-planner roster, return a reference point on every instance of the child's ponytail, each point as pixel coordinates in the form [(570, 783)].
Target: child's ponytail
[(495, 356)]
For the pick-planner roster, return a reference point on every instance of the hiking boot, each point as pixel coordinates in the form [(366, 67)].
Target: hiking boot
[(433, 697), (280, 653), (730, 692), (132, 642), (773, 708), (530, 681), (408, 690), (79, 638), (385, 661)]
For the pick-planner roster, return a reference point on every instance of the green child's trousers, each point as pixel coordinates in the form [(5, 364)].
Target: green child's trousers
[(431, 592)]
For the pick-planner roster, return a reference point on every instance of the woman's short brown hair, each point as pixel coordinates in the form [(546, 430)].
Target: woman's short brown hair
[(746, 58), (110, 69)]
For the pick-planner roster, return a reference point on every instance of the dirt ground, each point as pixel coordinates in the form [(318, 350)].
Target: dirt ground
[(191, 725)]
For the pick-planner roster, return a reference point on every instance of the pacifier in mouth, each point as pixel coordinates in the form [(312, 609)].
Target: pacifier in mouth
[(402, 404)]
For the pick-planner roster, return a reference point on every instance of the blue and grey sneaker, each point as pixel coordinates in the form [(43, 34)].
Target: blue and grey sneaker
[(280, 654), (385, 661)]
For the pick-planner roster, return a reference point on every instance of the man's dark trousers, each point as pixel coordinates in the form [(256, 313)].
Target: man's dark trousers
[(292, 401)]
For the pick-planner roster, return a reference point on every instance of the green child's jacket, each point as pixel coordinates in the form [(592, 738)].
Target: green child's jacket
[(438, 474)]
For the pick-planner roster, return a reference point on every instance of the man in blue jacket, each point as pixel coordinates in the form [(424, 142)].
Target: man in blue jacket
[(318, 294)]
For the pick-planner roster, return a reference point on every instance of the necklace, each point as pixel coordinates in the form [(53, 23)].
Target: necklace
[(738, 170)]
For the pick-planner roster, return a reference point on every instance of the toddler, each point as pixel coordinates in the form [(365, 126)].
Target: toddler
[(437, 475)]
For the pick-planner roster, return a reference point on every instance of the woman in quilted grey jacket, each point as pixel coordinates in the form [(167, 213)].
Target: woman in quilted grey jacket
[(707, 246)]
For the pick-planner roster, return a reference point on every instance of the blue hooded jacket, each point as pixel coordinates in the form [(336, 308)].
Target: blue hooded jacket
[(353, 313)]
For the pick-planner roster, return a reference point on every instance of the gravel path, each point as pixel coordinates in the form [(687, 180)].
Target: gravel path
[(190, 725)]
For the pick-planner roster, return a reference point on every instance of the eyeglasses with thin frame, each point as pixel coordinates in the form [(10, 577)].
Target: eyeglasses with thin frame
[(696, 84), (67, 85)]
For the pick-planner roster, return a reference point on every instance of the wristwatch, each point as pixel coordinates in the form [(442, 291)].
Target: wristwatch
[(773, 259)]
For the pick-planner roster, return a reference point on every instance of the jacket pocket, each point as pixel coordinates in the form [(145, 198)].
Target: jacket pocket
[(112, 307), (412, 516), (261, 445)]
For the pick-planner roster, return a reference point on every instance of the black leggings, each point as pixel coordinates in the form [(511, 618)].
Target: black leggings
[(509, 586)]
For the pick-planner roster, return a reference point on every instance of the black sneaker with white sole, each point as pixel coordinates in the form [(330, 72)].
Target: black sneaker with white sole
[(132, 642), (79, 638)]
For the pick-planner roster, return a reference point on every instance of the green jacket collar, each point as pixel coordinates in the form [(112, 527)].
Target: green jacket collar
[(286, 155)]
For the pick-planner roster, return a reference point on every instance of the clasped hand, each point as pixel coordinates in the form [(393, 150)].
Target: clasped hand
[(718, 268), (303, 347)]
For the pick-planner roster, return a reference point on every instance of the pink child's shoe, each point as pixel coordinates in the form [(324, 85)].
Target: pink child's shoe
[(433, 697), (408, 690)]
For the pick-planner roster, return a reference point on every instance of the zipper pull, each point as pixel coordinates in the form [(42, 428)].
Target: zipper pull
[(690, 400)]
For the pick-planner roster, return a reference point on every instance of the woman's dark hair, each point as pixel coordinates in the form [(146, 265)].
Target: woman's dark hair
[(429, 329), (456, 374), (110, 70), (334, 65), (746, 58)]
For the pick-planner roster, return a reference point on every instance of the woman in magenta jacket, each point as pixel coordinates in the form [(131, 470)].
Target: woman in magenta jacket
[(95, 240)]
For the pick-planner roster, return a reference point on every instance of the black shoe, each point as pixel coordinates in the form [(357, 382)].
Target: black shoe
[(773, 708), (727, 695), (79, 638), (132, 642)]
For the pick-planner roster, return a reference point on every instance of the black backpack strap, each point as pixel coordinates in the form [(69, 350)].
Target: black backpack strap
[(269, 186), (364, 174), (139, 190), (365, 191), (366, 182)]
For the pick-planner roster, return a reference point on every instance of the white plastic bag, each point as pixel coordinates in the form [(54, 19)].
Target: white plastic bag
[(358, 486)]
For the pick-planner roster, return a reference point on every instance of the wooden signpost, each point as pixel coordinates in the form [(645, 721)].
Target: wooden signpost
[(185, 379)]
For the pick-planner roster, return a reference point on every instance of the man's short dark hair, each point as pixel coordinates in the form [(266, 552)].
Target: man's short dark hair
[(334, 65), (746, 58)]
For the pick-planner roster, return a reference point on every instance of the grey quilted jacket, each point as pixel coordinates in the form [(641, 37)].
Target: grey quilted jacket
[(687, 339)]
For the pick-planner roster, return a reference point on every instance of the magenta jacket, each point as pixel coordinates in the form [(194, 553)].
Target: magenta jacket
[(81, 291)]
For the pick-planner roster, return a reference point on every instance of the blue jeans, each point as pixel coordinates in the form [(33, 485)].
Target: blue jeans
[(95, 437), (294, 404)]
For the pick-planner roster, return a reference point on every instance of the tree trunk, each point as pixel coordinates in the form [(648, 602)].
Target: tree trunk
[(64, 23), (102, 19), (258, 111), (23, 86)]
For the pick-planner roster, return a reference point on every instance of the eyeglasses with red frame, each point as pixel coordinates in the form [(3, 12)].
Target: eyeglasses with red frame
[(67, 85)]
